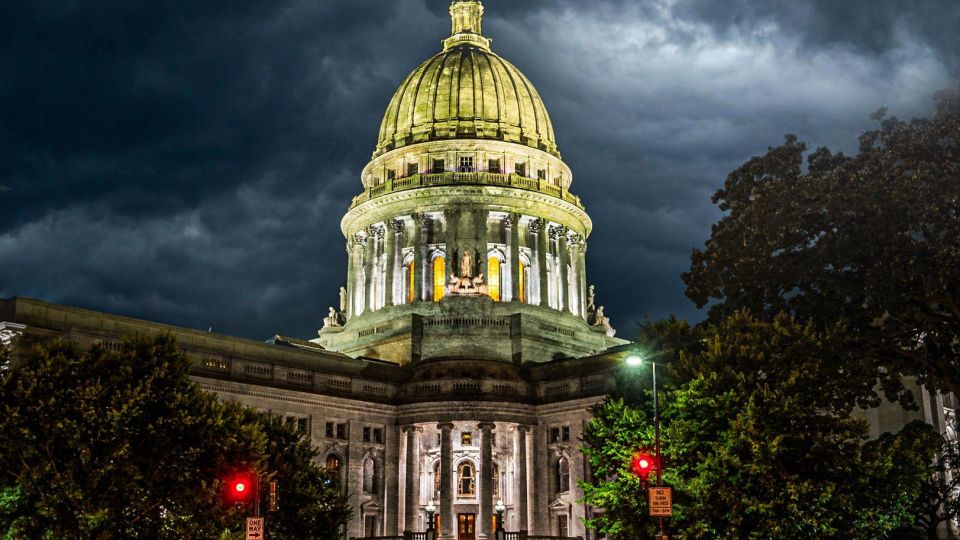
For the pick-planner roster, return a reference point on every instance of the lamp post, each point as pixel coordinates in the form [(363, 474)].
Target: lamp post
[(634, 361), (499, 508), (431, 509)]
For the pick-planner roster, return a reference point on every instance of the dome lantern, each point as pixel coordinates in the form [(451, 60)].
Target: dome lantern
[(466, 17)]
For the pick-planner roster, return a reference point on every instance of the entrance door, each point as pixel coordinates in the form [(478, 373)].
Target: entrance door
[(466, 527)]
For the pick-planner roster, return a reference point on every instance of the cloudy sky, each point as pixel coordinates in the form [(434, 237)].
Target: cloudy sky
[(189, 162)]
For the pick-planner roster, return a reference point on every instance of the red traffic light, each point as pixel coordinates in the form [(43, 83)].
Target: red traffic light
[(238, 489), (643, 464)]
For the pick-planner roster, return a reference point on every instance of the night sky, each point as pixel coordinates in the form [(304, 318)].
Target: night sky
[(189, 162)]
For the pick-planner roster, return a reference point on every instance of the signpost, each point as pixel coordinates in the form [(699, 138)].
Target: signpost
[(661, 502), (255, 528)]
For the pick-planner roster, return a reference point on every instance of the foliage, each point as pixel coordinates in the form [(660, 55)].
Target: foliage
[(871, 241), (102, 444), (759, 440)]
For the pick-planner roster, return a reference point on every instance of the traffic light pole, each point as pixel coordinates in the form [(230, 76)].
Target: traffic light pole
[(656, 430)]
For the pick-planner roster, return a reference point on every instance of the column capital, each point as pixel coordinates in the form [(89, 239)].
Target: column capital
[(397, 225), (535, 225), (411, 429), (511, 220), (486, 426), (359, 238), (376, 230), (523, 429), (445, 426)]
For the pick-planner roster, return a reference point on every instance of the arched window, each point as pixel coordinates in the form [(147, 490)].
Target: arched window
[(466, 480), (370, 476), (439, 277), (332, 465), (496, 481), (563, 474), (493, 277), (436, 479), (409, 280), (523, 275)]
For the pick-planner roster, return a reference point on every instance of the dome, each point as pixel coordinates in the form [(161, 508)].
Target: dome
[(466, 92)]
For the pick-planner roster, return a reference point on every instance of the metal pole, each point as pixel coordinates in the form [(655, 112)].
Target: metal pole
[(656, 424)]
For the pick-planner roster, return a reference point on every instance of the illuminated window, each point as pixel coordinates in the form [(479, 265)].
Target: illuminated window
[(410, 282), (493, 277), (466, 438), (466, 481), (332, 465), (522, 277), (439, 277)]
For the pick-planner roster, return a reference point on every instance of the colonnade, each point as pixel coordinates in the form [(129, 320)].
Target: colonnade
[(485, 501), (392, 262)]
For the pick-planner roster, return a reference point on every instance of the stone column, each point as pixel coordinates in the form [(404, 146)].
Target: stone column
[(391, 254), (539, 228), (480, 222), (446, 468), (452, 217), (419, 254), (369, 267), (412, 481), (485, 473), (513, 255), (357, 293), (563, 295), (582, 276), (350, 280), (522, 478)]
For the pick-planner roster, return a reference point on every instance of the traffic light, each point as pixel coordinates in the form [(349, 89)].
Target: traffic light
[(239, 489), (643, 464)]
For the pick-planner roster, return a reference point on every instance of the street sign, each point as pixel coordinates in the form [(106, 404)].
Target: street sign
[(255, 528), (273, 496), (661, 502)]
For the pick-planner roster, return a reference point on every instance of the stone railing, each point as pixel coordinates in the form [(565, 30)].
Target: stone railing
[(470, 179)]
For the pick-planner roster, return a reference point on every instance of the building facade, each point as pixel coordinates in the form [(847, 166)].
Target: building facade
[(467, 348)]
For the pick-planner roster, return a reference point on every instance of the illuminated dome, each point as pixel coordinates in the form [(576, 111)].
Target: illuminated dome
[(466, 92)]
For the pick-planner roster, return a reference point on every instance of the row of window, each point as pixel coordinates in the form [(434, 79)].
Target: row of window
[(466, 164), (340, 430), (466, 438)]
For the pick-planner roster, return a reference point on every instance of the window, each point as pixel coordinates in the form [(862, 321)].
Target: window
[(342, 431), (366, 433), (554, 435), (436, 479), (439, 277), (563, 474), (466, 438), (298, 422), (378, 435), (493, 277), (332, 465), (496, 481), (438, 166), (412, 169), (565, 433), (563, 528), (466, 164), (329, 431), (493, 166), (522, 276), (410, 277), (541, 174), (466, 482), (520, 168), (391, 174), (370, 526), (559, 434)]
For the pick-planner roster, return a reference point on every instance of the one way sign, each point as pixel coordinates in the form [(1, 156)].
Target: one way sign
[(254, 528)]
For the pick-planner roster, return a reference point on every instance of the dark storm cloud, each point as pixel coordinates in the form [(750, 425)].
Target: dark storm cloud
[(189, 162)]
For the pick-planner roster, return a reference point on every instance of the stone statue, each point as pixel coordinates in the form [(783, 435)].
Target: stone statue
[(466, 265), (333, 319), (599, 319), (343, 299), (591, 299)]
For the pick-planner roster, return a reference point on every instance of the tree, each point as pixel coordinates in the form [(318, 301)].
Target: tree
[(758, 438), (102, 444), (871, 241)]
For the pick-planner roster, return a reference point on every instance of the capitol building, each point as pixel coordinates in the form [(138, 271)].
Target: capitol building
[(468, 346)]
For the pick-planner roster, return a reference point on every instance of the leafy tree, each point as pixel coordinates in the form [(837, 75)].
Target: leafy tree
[(871, 241), (102, 444), (758, 438)]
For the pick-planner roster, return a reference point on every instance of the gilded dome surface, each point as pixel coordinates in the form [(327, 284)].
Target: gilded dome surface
[(468, 92)]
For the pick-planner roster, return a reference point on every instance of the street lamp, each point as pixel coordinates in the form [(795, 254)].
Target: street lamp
[(430, 511), (499, 508), (635, 361)]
